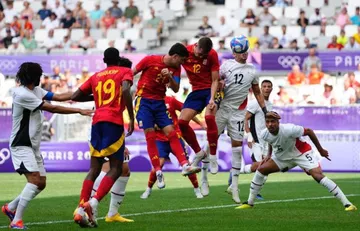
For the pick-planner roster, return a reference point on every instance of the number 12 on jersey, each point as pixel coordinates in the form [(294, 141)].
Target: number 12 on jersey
[(106, 92)]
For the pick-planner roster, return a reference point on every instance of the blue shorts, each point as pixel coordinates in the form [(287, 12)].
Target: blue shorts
[(107, 139), (198, 100), (150, 112), (165, 149)]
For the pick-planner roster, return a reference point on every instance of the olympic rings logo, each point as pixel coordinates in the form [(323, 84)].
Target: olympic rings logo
[(4, 155), (289, 61), (7, 64)]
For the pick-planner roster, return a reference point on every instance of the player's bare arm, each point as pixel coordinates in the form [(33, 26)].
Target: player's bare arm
[(126, 85), (80, 96), (309, 132), (259, 97), (62, 97), (214, 88), (65, 110)]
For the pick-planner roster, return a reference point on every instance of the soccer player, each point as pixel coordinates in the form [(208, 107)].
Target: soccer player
[(28, 104), (111, 90), (239, 76), (289, 150), (202, 69), (163, 145), (158, 72)]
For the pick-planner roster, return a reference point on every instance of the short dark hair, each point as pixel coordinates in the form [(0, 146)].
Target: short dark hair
[(29, 73), (111, 56), (179, 49), (205, 44), (124, 62), (266, 81)]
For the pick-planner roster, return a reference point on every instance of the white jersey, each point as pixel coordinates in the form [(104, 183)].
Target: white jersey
[(27, 118), (239, 78), (257, 121), (287, 144)]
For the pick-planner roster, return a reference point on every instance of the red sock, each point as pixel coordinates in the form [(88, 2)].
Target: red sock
[(194, 181), (177, 148), (212, 133), (152, 178), (86, 191), (152, 149), (189, 135), (104, 188)]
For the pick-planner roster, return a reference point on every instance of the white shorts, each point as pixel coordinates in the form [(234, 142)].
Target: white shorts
[(306, 161), (233, 120), (258, 152), (27, 159)]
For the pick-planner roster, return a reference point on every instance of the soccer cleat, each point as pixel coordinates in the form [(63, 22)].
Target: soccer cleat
[(5, 209), (189, 169), (160, 179), (117, 218), (17, 225), (198, 157), (235, 195), (198, 193), (214, 167), (81, 218), (89, 211), (229, 190), (350, 207), (205, 188), (146, 194), (259, 197), (245, 205)]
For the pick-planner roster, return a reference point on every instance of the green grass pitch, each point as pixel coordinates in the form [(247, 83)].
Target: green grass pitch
[(293, 201)]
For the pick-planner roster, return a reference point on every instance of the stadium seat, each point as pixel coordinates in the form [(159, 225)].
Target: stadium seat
[(178, 7), (299, 3), (354, 3), (275, 31), (96, 33), (113, 34), (142, 5), (232, 4), (257, 31), (40, 35), (60, 33), (252, 4), (215, 41), (328, 11), (234, 23), (292, 12), (36, 6), (312, 32), (350, 30), (316, 3), (120, 44), (322, 42), (335, 3), (223, 12), (105, 5), (150, 35), (227, 41), (36, 23), (132, 33), (331, 30), (168, 17), (309, 11), (89, 5), (158, 5), (214, 22), (351, 10), (77, 34), (241, 31), (18, 6), (102, 44), (277, 12), (294, 31), (239, 13), (140, 44)]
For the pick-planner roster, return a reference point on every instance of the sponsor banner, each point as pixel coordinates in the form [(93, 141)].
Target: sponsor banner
[(331, 60), (74, 157)]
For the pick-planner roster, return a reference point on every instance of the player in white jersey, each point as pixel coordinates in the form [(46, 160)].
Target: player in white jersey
[(28, 104), (238, 77), (290, 150)]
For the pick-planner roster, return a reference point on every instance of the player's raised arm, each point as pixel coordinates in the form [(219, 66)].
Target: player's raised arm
[(311, 134), (64, 110), (259, 97), (126, 85)]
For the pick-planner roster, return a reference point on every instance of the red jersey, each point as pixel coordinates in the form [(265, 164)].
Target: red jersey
[(172, 106), (106, 86), (152, 84), (199, 70)]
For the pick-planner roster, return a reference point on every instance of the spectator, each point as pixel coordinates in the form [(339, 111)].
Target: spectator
[(282, 3), (27, 24), (63, 86), (56, 73), (310, 60), (343, 18), (266, 3), (50, 23), (66, 43), (266, 18), (224, 29), (87, 41), (3, 32), (352, 78), (296, 77), (352, 45), (107, 21), (46, 83), (137, 23), (342, 39), (349, 94), (2, 20), (275, 44), (205, 29), (317, 18), (16, 47), (222, 47), (285, 38), (43, 12), (28, 41), (250, 19), (307, 43), (155, 22), (47, 130), (27, 11), (334, 44), (357, 35), (78, 10), (356, 18), (10, 12), (7, 40), (131, 11), (328, 97), (265, 40), (82, 21), (59, 10), (315, 76), (68, 21), (85, 74), (185, 42), (303, 22), (71, 4), (97, 14), (283, 98), (51, 42), (128, 47), (123, 24), (115, 11), (16, 26)]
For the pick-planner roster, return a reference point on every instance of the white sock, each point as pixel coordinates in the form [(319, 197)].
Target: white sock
[(14, 203), (97, 183), (235, 178), (117, 195), (255, 187), (334, 190), (29, 192), (236, 166), (94, 203), (204, 169)]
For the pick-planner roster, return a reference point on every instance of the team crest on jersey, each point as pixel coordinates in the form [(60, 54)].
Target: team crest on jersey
[(205, 62)]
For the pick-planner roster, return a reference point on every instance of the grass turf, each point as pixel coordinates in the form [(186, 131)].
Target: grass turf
[(214, 212)]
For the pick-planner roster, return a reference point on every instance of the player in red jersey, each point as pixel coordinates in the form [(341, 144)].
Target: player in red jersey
[(158, 73), (163, 145), (111, 90), (202, 68)]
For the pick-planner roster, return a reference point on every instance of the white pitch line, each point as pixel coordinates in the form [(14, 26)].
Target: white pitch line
[(189, 209)]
